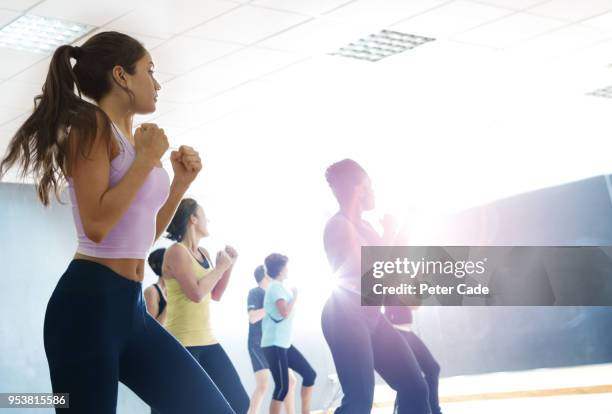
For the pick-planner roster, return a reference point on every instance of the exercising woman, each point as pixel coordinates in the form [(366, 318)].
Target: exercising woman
[(191, 282), (255, 303), (361, 339), (155, 295), (97, 330), (276, 340)]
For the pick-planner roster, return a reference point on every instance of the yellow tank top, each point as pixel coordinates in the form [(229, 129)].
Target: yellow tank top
[(188, 321)]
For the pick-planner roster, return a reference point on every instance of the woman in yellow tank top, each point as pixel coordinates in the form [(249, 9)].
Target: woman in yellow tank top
[(191, 282)]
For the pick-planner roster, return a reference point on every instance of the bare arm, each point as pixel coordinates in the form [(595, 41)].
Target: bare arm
[(284, 307), (343, 248), (101, 206), (256, 315), (152, 301), (221, 285), (179, 265)]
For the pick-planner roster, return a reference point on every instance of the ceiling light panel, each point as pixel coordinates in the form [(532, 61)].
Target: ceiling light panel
[(380, 45), (602, 93), (40, 34)]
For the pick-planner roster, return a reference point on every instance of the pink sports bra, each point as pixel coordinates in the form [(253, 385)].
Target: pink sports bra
[(133, 235)]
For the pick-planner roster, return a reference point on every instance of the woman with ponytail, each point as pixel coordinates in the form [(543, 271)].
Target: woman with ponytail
[(192, 281), (97, 331)]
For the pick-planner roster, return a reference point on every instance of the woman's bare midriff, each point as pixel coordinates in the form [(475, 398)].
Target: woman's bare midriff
[(132, 269)]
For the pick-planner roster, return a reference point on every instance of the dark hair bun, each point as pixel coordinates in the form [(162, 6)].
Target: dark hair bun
[(156, 260)]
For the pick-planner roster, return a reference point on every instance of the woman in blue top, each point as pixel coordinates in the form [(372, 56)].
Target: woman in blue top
[(276, 336), (255, 306)]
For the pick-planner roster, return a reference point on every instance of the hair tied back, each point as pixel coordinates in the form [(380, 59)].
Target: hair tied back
[(76, 52)]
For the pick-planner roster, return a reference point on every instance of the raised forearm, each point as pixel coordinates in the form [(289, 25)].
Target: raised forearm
[(166, 213), (221, 285), (256, 315), (208, 282)]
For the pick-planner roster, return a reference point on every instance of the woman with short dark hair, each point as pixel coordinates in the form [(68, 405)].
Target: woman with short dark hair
[(276, 339)]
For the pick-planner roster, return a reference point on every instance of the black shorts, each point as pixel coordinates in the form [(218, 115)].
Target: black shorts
[(258, 359)]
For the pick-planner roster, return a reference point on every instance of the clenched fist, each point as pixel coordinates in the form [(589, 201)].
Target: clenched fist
[(223, 261), (232, 253), (150, 143), (186, 163)]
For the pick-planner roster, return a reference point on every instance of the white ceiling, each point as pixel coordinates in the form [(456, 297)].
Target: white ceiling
[(256, 75)]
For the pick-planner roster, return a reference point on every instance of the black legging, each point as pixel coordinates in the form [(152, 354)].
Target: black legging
[(429, 366), (280, 360), (219, 367), (361, 341), (97, 332)]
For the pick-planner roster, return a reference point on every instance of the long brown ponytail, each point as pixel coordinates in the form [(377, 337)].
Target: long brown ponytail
[(40, 146)]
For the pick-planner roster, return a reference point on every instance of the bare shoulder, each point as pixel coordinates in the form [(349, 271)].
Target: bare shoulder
[(82, 144), (80, 125), (175, 252), (338, 225)]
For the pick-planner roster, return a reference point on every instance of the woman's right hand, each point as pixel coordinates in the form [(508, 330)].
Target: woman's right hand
[(223, 260), (150, 142)]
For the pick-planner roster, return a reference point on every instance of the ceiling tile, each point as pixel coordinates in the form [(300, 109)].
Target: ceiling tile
[(182, 54), (18, 5), (93, 13), (597, 56), (163, 77), (16, 61), (455, 17), (34, 74), (8, 129), (225, 73), (164, 18), (322, 35), (562, 42), (601, 22), (509, 30), (195, 115), (572, 10), (21, 95), (310, 7), (247, 24), (380, 13), (513, 4), (9, 114), (7, 16)]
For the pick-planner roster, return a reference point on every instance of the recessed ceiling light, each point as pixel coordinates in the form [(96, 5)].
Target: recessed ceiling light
[(40, 34), (602, 93), (381, 45)]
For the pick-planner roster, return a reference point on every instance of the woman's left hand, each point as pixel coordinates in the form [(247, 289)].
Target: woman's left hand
[(186, 164)]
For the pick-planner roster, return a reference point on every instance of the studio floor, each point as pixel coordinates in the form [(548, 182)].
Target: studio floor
[(571, 390)]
